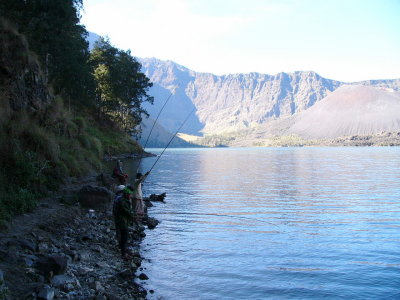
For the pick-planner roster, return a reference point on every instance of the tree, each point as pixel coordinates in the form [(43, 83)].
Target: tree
[(120, 86), (53, 31)]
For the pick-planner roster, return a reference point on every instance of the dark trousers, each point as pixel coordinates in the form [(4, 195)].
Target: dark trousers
[(122, 236)]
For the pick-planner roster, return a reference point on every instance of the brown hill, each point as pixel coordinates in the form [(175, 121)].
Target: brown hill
[(350, 110)]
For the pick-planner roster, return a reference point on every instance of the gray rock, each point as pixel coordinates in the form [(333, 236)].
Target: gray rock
[(152, 222), (143, 276), (98, 287), (46, 293), (97, 198), (84, 270), (27, 244), (102, 265), (106, 180), (158, 198), (148, 203), (125, 274), (98, 248), (69, 287), (43, 247), (55, 264), (137, 261), (29, 260), (85, 256), (134, 252), (60, 281)]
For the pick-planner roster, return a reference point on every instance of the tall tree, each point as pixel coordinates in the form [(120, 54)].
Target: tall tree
[(55, 35), (120, 86)]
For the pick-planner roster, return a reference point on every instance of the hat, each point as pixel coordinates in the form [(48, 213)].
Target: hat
[(120, 188), (128, 191)]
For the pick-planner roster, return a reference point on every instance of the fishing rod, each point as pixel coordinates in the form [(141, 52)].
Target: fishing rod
[(172, 138), (171, 188), (154, 123)]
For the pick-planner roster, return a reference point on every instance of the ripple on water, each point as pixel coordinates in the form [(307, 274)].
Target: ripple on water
[(293, 223)]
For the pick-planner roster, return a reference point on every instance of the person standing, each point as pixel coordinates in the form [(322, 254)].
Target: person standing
[(118, 173), (138, 195), (123, 215)]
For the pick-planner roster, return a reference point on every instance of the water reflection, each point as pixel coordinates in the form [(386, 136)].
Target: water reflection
[(301, 223)]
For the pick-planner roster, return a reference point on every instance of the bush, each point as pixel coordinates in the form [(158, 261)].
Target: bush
[(85, 141), (97, 147), (80, 123)]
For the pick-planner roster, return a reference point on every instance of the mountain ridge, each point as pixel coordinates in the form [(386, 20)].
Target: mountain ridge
[(227, 103)]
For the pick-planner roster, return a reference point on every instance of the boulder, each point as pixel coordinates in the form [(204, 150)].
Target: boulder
[(152, 222), (148, 203), (98, 287), (29, 260), (52, 264), (158, 198), (46, 293), (137, 261), (60, 281), (106, 180), (125, 274), (97, 198)]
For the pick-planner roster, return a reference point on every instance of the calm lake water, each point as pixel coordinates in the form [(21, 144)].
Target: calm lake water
[(275, 223)]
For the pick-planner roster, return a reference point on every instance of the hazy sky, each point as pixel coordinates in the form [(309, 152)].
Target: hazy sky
[(346, 40)]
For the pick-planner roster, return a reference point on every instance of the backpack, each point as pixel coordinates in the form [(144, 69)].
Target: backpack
[(116, 204)]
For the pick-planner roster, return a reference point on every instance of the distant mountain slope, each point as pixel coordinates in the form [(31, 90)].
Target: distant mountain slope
[(351, 110), (237, 101), (159, 137), (92, 38)]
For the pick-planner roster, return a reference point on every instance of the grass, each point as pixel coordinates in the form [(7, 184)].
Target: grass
[(36, 155)]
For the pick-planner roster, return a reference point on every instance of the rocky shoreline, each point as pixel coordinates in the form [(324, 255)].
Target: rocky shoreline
[(67, 249)]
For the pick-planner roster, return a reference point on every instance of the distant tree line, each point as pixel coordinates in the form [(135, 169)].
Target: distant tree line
[(106, 80)]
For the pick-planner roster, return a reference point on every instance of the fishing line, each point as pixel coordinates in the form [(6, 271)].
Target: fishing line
[(172, 138), (209, 214), (154, 123), (218, 215), (171, 188)]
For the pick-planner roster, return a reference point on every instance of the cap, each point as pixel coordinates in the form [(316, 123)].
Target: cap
[(128, 191), (120, 188)]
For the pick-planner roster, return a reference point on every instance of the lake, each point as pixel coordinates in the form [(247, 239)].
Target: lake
[(274, 223)]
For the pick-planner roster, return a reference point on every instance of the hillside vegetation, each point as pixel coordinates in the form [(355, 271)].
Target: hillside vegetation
[(61, 107)]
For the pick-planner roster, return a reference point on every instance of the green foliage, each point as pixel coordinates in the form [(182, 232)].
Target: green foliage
[(98, 99), (216, 140), (113, 141), (120, 86), (284, 141), (80, 123), (53, 31), (22, 174)]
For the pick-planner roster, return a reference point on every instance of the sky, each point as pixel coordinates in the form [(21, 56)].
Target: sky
[(345, 40)]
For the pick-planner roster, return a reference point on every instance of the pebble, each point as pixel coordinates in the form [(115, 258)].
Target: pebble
[(87, 246)]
